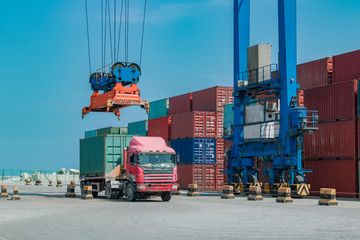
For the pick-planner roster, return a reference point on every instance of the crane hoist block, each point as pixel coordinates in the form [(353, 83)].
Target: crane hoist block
[(118, 83)]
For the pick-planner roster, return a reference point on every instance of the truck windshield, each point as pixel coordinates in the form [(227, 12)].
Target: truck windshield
[(153, 160)]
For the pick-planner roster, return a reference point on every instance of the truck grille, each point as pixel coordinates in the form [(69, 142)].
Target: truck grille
[(158, 178)]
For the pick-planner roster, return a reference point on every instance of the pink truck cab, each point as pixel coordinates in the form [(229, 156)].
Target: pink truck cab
[(149, 169)]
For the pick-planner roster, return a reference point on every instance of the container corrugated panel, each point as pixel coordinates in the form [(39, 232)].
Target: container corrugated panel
[(100, 155), (229, 113), (180, 104), (346, 66), (220, 124), (332, 140), (220, 177), (338, 174), (138, 128), (220, 150), (112, 130), (314, 74), (159, 108), (159, 127), (335, 101), (204, 175), (212, 99), (91, 133), (195, 150), (194, 125)]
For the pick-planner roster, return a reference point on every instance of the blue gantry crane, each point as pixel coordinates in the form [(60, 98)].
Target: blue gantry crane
[(270, 127)]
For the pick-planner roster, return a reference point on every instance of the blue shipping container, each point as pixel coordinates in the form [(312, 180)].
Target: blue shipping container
[(159, 108), (138, 128), (195, 150)]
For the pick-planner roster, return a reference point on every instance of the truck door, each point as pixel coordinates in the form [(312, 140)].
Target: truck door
[(132, 166)]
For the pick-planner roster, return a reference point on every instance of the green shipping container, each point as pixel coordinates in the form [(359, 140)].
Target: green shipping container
[(159, 108), (138, 128), (112, 130), (229, 113), (91, 133), (100, 155)]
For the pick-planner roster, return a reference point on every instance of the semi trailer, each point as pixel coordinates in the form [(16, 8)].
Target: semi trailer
[(127, 166)]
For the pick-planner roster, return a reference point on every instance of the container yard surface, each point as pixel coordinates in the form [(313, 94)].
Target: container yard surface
[(44, 213)]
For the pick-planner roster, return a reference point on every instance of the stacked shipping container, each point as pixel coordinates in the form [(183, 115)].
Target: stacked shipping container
[(332, 152), (194, 126)]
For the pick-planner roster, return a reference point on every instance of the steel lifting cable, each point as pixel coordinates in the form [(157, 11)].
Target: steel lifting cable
[(105, 34), (115, 31), (102, 34), (110, 38), (118, 46), (142, 35), (88, 38)]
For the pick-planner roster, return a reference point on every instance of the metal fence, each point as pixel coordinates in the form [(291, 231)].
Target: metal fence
[(15, 175)]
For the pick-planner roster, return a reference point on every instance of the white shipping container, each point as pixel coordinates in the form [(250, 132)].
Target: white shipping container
[(255, 113), (263, 130)]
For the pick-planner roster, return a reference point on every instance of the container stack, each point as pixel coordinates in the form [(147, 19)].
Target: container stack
[(159, 122), (197, 136), (332, 152)]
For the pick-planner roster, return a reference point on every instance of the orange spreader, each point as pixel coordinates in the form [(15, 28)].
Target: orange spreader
[(115, 99)]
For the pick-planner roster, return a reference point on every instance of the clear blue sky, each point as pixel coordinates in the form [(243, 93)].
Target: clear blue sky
[(188, 46)]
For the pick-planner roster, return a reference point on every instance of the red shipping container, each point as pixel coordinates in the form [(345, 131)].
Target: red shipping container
[(261, 165), (220, 124), (159, 127), (220, 177), (339, 174), (220, 150), (204, 175), (212, 99), (346, 66), (180, 104), (314, 74), (194, 125), (335, 101), (332, 140)]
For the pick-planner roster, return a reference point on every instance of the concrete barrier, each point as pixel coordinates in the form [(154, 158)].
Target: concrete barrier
[(177, 192), (59, 183), (87, 192), (38, 182), (227, 192), (71, 191), (284, 195), (255, 193), (4, 193), (192, 190), (15, 195), (50, 183), (28, 181), (327, 197)]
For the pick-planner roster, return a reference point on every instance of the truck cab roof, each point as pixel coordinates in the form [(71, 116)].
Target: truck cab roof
[(149, 144)]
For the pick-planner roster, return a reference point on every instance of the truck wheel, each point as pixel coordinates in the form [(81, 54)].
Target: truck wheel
[(130, 192), (95, 194), (108, 191), (82, 184), (166, 196)]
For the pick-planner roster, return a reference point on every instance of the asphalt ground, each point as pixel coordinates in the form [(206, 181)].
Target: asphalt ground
[(44, 213)]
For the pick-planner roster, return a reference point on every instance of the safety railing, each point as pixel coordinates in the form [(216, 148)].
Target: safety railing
[(305, 120), (258, 75), (228, 129)]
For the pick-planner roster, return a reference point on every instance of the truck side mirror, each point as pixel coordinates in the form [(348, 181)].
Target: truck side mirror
[(177, 158)]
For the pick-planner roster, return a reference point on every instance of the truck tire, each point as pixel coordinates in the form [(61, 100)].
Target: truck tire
[(166, 196), (95, 194), (110, 194), (130, 192)]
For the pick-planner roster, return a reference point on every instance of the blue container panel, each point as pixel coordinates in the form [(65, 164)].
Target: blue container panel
[(229, 113), (159, 108), (138, 128), (195, 150)]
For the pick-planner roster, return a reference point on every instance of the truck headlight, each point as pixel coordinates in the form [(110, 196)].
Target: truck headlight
[(141, 187), (174, 187)]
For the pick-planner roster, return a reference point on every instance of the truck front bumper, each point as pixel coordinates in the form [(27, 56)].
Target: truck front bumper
[(156, 187)]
